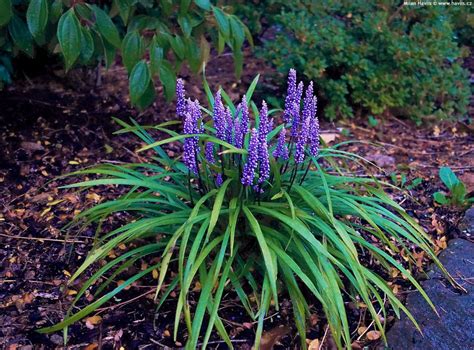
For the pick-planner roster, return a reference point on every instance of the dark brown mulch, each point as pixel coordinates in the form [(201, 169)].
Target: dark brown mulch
[(51, 127)]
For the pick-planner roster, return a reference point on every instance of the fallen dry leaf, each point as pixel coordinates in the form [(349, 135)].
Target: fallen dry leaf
[(373, 335), (93, 321), (314, 345), (329, 137), (271, 337)]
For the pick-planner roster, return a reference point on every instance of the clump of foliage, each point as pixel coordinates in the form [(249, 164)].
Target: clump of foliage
[(373, 57), (457, 195), (254, 205), (154, 38)]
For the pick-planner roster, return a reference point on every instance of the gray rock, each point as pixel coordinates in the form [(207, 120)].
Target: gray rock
[(454, 328)]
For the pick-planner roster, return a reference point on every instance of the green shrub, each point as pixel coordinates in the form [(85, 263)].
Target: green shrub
[(264, 213), (154, 38), (373, 57), (457, 195)]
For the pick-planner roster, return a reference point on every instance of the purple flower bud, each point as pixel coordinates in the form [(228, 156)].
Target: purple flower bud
[(314, 131), (290, 96), (219, 180), (209, 152), (301, 140), (264, 161), (229, 124), (308, 102), (181, 102), (248, 173), (281, 151), (245, 115), (219, 117), (266, 124)]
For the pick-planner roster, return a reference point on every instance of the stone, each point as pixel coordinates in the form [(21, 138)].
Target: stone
[(454, 328)]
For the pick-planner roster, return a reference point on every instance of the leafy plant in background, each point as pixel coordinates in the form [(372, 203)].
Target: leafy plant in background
[(402, 181), (252, 205), (154, 38), (457, 190), (372, 57)]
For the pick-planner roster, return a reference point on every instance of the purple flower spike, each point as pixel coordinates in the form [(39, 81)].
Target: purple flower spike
[(245, 115), (219, 116), (299, 93), (181, 101), (295, 119), (248, 173), (301, 141), (229, 124), (209, 152), (281, 151), (190, 148), (239, 135), (290, 96), (219, 180)]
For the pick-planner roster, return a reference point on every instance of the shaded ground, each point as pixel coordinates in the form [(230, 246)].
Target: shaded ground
[(49, 128)]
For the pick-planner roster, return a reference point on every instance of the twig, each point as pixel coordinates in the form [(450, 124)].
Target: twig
[(43, 239), (324, 338), (126, 301)]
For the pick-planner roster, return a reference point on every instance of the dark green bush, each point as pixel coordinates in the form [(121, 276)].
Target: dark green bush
[(154, 38), (373, 57)]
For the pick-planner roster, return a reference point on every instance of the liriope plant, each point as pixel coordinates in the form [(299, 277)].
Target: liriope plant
[(255, 206)]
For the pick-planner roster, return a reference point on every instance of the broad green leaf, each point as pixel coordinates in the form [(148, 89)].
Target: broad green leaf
[(222, 22), (21, 35), (204, 4), (140, 78), (440, 198), (56, 10), (148, 97), (168, 79), (132, 49), (178, 47), (6, 12), (87, 45), (69, 36), (458, 193), (106, 27), (37, 17), (448, 177), (185, 25), (238, 34), (124, 7), (156, 56)]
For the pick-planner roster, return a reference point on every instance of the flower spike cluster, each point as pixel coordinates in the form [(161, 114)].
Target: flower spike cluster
[(261, 146)]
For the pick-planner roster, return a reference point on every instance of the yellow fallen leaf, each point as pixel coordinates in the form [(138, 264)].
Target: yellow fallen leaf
[(67, 273), (197, 287), (154, 273), (73, 162), (93, 321), (373, 335), (71, 292), (329, 137), (314, 345), (361, 330)]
